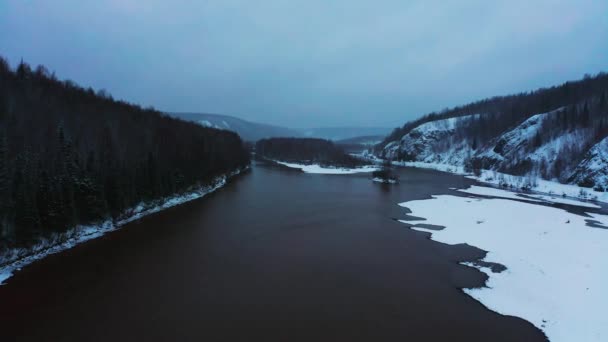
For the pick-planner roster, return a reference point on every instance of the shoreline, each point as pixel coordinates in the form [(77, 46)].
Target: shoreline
[(517, 184), (536, 282), (16, 258), (318, 169)]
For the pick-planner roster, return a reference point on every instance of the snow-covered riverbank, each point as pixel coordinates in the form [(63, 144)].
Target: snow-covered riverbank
[(552, 189), (14, 259), (316, 168), (556, 263)]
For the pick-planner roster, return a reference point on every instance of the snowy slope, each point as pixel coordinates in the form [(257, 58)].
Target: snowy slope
[(249, 131), (431, 142), (516, 151), (593, 170), (513, 144)]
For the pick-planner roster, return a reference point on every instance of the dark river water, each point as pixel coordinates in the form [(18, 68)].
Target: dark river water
[(276, 255)]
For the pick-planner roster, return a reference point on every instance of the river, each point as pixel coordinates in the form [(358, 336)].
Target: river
[(276, 255)]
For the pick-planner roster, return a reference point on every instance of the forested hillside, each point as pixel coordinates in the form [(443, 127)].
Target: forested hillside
[(305, 151), (504, 112), (71, 156), (549, 133)]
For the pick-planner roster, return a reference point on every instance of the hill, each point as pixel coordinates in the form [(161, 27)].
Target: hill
[(254, 131), (249, 131), (553, 133)]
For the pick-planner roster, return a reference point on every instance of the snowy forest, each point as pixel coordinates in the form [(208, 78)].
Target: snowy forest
[(500, 113), (305, 150), (70, 155), (551, 133)]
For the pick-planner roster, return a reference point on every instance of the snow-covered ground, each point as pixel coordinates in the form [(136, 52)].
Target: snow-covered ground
[(536, 185), (485, 191), (523, 148), (556, 264), (539, 186), (14, 259), (562, 200), (316, 168)]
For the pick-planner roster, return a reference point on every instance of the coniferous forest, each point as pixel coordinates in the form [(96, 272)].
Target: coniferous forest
[(306, 151), (572, 118), (584, 104), (71, 156)]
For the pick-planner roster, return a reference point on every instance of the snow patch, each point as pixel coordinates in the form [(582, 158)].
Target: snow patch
[(318, 169), (563, 200), (384, 181), (556, 265), (538, 186), (486, 191)]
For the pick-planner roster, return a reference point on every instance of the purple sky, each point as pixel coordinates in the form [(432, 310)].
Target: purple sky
[(309, 63)]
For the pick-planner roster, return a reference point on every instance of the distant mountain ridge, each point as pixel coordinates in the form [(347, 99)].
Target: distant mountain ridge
[(253, 131), (344, 133), (558, 133), (249, 131)]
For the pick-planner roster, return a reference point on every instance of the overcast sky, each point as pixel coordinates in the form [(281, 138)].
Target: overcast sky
[(305, 63)]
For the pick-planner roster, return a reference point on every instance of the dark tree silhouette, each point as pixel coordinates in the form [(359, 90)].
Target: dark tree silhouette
[(72, 156), (306, 151)]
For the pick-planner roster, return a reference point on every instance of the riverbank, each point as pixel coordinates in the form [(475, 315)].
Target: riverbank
[(318, 169), (529, 184), (268, 252), (554, 259), (16, 258)]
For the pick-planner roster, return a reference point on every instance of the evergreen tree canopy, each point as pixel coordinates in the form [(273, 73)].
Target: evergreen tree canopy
[(72, 156)]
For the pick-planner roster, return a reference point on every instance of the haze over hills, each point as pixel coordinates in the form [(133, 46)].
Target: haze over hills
[(253, 131), (343, 133), (249, 131)]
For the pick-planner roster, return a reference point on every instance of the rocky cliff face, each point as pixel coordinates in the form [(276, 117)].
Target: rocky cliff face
[(431, 142), (592, 171), (569, 155)]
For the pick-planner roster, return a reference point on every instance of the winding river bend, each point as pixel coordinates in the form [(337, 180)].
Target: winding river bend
[(276, 255)]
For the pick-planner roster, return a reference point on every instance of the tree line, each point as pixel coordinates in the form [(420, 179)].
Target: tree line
[(306, 151), (502, 113), (70, 155)]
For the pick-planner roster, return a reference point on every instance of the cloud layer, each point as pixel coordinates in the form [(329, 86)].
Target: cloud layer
[(309, 63)]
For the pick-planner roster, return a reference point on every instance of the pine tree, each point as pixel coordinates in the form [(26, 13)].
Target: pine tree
[(4, 180), (603, 101), (26, 210), (585, 116), (44, 199), (4, 188)]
